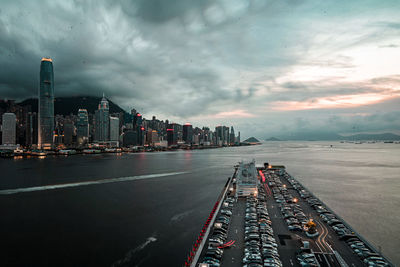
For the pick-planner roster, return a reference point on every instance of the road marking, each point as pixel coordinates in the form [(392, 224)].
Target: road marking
[(236, 231), (326, 260), (330, 256), (291, 262)]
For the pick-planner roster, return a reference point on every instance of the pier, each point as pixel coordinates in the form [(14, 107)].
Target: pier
[(264, 222)]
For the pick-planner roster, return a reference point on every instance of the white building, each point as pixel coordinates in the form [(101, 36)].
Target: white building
[(9, 129), (114, 129), (247, 180)]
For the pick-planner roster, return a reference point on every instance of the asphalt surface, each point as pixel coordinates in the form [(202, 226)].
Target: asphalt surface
[(327, 241), (233, 256)]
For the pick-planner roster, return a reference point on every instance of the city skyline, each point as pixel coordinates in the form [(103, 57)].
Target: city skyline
[(43, 129), (267, 68)]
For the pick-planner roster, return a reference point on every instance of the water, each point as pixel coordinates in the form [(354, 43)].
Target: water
[(146, 209)]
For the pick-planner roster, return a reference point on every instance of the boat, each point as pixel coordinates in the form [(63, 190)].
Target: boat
[(6, 153), (91, 151), (67, 152), (39, 153), (18, 152)]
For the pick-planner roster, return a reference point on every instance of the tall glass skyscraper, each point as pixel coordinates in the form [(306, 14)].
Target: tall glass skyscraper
[(188, 133), (82, 126), (46, 104), (102, 121)]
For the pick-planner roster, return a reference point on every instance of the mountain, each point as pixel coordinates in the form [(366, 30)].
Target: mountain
[(363, 137), (273, 139), (312, 136), (71, 104), (251, 140), (329, 136)]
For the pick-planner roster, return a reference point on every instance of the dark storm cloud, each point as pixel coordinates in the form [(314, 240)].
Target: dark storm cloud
[(159, 11), (140, 53), (188, 59)]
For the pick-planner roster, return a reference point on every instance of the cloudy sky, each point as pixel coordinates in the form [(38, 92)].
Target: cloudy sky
[(269, 68)]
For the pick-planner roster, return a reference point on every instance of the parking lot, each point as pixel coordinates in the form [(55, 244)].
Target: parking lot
[(272, 228)]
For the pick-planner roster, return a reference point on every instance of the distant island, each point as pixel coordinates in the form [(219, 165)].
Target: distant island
[(251, 141), (329, 136), (371, 137)]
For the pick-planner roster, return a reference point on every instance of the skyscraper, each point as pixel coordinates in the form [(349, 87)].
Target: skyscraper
[(172, 133), (69, 130), (219, 134), (31, 129), (46, 104), (188, 133), (9, 129), (226, 136), (102, 121), (222, 135), (138, 127), (232, 136), (171, 137), (82, 126), (114, 129)]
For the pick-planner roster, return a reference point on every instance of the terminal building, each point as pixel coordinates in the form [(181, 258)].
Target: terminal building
[(247, 180)]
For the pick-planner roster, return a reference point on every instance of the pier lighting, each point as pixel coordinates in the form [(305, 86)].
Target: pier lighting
[(204, 265), (295, 200), (284, 186)]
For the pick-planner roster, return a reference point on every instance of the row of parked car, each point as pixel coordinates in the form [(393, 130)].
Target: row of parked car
[(367, 255), (261, 248), (292, 213), (213, 254), (307, 259)]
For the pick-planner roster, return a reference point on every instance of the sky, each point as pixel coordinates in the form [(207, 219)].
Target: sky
[(269, 68)]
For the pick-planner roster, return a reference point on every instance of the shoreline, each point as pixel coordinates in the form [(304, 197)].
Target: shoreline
[(82, 151)]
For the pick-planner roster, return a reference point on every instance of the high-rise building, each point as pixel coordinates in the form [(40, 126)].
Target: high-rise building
[(138, 127), (9, 129), (69, 131), (171, 137), (82, 126), (219, 135), (232, 137), (152, 137), (31, 129), (114, 129), (226, 136), (102, 121), (188, 133), (222, 135), (129, 138), (46, 104), (172, 133)]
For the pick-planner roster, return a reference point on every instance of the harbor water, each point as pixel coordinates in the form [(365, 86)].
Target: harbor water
[(146, 209)]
